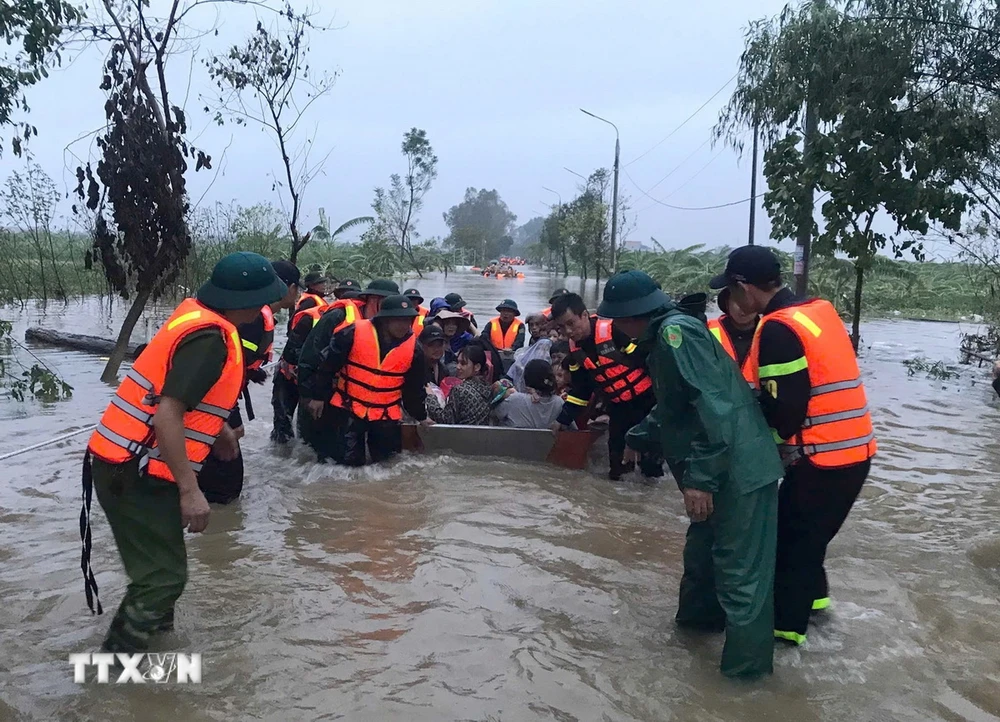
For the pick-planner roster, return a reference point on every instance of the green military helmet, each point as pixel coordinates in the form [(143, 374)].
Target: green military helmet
[(242, 280), (381, 287), (509, 304), (631, 293), (397, 306)]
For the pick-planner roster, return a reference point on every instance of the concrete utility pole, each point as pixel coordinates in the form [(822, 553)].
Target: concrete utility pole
[(753, 183), (804, 238), (614, 195)]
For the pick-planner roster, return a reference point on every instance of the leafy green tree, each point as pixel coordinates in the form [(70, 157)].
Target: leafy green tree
[(267, 80), (838, 102), (33, 29), (482, 223)]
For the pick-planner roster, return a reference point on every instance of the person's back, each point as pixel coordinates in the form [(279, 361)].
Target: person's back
[(537, 409), (524, 411)]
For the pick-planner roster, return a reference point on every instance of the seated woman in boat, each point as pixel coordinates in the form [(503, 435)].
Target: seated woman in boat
[(469, 402), (456, 332), (538, 408), (432, 342)]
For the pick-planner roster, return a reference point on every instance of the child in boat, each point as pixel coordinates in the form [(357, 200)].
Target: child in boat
[(469, 402), (562, 377), (537, 409)]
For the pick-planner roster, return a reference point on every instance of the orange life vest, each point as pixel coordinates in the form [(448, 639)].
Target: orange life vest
[(418, 322), (369, 386), (254, 350), (501, 340), (547, 312), (126, 429), (722, 336), (838, 427), (350, 307), (320, 301), (619, 381)]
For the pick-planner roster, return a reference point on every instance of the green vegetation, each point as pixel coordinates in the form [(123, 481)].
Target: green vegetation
[(939, 291)]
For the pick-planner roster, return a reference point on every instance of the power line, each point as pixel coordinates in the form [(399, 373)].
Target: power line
[(679, 165), (671, 133)]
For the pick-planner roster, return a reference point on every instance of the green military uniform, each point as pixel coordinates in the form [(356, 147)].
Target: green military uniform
[(709, 429), (144, 511)]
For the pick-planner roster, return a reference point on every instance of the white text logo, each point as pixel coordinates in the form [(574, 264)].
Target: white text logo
[(141, 668)]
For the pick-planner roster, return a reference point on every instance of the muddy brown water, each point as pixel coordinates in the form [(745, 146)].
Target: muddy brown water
[(449, 588)]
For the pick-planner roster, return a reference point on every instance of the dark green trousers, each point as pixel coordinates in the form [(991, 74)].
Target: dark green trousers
[(728, 580), (145, 517)]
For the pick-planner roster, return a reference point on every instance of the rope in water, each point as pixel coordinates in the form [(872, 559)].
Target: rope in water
[(71, 434)]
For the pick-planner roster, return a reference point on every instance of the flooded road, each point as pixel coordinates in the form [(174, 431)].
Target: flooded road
[(456, 589)]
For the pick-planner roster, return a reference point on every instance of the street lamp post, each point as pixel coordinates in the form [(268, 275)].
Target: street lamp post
[(614, 197)]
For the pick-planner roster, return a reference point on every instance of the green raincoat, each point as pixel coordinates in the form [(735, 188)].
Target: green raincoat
[(709, 428)]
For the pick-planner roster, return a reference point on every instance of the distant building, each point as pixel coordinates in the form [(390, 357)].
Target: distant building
[(637, 246)]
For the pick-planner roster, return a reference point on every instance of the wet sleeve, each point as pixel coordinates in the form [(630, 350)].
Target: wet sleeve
[(581, 388), (485, 335), (196, 367), (319, 362), (696, 362), (451, 412), (784, 379), (414, 388), (644, 437), (296, 340)]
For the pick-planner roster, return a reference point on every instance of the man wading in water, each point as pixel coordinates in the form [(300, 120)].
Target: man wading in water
[(711, 432), (169, 412)]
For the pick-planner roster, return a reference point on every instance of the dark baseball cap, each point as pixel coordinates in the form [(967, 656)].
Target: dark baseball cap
[(750, 264), (455, 301), (432, 333), (287, 272), (557, 293)]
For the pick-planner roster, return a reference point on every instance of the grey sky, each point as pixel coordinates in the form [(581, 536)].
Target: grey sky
[(497, 86)]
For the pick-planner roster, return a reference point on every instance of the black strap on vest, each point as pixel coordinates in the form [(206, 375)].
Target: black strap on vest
[(89, 582), (249, 403)]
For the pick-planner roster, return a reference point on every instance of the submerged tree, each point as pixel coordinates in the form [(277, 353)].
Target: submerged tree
[(841, 108), (481, 223), (267, 80)]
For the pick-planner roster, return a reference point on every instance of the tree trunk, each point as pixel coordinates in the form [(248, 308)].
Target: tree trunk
[(564, 259), (110, 374), (856, 327)]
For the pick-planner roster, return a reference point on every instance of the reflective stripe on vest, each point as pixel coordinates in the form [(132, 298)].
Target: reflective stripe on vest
[(723, 337), (261, 352), (501, 340), (369, 386), (619, 381), (838, 429), (126, 430)]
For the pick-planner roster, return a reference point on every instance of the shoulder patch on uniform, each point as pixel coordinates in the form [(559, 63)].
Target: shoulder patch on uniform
[(672, 333)]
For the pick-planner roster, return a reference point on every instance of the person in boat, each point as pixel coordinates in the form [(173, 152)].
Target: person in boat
[(709, 428), (457, 304), (314, 329), (432, 342), (563, 379), (469, 403), (536, 324), (167, 415), (345, 288), (368, 373), (734, 329), (558, 352), (456, 330), (547, 312), (505, 333), (536, 409), (805, 369), (221, 480), (605, 360)]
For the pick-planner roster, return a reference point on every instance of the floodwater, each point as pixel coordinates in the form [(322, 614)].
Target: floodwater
[(458, 589)]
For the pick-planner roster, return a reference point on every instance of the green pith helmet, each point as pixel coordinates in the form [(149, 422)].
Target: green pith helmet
[(397, 306), (314, 278), (414, 295), (509, 304), (348, 284), (381, 287), (242, 280), (631, 293)]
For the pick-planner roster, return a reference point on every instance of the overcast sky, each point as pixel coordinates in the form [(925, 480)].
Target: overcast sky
[(497, 85)]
